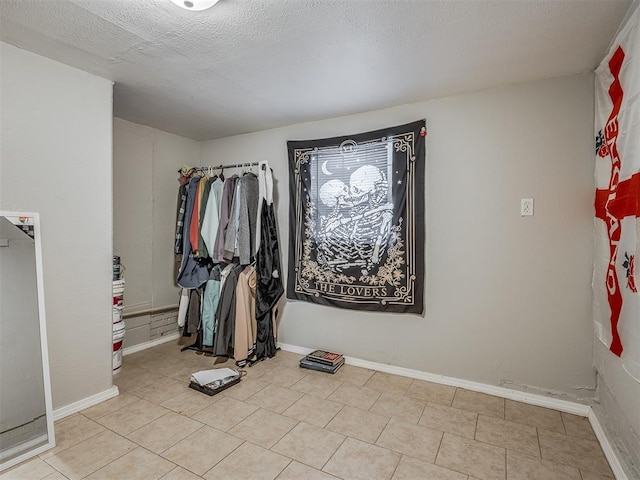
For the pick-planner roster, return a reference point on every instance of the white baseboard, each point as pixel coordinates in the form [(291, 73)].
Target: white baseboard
[(152, 343), (609, 451), (75, 407), (525, 397)]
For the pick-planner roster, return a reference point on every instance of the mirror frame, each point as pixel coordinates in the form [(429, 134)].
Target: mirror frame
[(51, 442)]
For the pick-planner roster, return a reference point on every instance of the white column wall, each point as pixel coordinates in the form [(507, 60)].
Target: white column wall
[(55, 159)]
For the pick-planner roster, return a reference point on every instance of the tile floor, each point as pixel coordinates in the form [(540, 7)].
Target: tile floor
[(282, 422)]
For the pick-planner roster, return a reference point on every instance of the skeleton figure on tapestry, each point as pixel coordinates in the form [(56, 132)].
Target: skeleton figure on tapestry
[(357, 230)]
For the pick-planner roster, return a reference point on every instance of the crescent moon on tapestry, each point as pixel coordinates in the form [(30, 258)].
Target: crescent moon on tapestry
[(325, 170)]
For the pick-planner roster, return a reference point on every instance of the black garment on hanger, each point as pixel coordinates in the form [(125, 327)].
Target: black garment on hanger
[(269, 287), (226, 315), (192, 322)]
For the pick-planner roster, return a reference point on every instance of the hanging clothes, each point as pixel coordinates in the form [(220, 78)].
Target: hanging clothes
[(203, 251), (182, 203), (269, 286), (211, 220), (265, 183), (229, 306), (240, 239), (210, 306), (194, 311), (226, 314), (245, 327), (225, 212), (193, 272), (183, 306)]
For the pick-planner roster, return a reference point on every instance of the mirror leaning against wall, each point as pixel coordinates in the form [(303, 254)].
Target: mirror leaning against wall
[(26, 418)]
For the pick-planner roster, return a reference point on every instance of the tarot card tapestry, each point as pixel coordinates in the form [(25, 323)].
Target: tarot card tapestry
[(356, 220)]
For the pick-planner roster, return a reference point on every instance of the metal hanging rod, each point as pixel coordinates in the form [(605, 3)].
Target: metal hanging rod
[(222, 167), (187, 171)]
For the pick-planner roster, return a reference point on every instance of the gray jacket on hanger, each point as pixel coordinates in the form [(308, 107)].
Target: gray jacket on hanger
[(240, 239)]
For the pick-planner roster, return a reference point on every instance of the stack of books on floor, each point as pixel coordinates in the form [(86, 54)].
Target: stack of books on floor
[(323, 361)]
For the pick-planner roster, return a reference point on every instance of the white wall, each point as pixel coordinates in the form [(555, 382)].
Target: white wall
[(145, 166), (508, 298), (55, 158)]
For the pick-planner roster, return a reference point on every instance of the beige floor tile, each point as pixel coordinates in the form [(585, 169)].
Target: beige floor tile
[(398, 406), (524, 467), (139, 464), (90, 455), (164, 432), (190, 402), (159, 363), (71, 431), (355, 375), (105, 408), (450, 420), (355, 396), (577, 426), (287, 359), (389, 383), (244, 389), (134, 378), (577, 452), (258, 369), (357, 423), (274, 398), (263, 428), (161, 390), (142, 356), (314, 410), (594, 476), (356, 460), (225, 414), (478, 402), (34, 469), (410, 439), (318, 385), (180, 473), (431, 392), (298, 471), (309, 444), (249, 462), (55, 476), (84, 446), (414, 469), (137, 414), (182, 371), (202, 450), (533, 415), (283, 376), (511, 435), (473, 458)]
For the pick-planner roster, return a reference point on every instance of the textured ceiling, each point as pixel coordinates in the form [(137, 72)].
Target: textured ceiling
[(248, 65)]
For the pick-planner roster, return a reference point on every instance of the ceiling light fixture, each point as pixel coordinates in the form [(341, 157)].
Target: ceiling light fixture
[(195, 5)]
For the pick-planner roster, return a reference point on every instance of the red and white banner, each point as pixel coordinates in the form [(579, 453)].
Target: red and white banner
[(616, 301)]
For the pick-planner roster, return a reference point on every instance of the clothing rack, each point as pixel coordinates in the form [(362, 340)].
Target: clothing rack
[(190, 190)]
